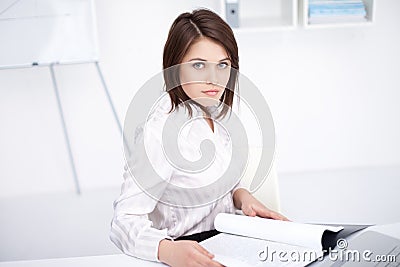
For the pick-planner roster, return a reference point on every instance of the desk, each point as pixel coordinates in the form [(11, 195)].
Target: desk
[(122, 260)]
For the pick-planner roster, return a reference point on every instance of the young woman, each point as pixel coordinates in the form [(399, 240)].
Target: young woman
[(153, 230)]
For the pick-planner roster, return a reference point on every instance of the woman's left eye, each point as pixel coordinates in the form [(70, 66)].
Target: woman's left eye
[(222, 65)]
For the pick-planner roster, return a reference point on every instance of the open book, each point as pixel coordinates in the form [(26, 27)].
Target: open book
[(255, 241)]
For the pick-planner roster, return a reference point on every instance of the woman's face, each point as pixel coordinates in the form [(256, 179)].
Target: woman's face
[(205, 71)]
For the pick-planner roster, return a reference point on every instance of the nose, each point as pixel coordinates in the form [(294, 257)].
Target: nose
[(212, 77)]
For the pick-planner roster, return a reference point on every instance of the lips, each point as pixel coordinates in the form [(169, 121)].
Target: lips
[(211, 92)]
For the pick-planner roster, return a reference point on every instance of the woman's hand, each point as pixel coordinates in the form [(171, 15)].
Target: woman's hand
[(185, 253), (252, 207)]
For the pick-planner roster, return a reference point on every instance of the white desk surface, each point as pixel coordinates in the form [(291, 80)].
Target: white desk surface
[(122, 260)]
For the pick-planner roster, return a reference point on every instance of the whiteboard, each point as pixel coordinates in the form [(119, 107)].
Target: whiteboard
[(42, 32)]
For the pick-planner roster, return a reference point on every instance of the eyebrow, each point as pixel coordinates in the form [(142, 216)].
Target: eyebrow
[(201, 59)]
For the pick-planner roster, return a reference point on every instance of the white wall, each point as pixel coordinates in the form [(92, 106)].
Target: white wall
[(333, 94)]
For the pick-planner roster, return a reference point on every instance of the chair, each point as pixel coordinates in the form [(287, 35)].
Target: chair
[(268, 192)]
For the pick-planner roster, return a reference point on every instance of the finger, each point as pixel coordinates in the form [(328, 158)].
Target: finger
[(263, 212), (278, 216), (247, 210), (202, 259), (204, 251), (212, 263), (284, 218), (267, 213), (215, 264)]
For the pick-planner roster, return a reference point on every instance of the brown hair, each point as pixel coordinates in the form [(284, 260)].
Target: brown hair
[(186, 30)]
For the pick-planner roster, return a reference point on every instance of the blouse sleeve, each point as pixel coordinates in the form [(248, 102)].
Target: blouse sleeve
[(239, 185), (131, 230)]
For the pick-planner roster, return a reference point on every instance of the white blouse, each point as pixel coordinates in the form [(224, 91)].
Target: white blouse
[(140, 222)]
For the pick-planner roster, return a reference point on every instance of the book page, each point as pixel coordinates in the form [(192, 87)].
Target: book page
[(298, 234), (239, 251)]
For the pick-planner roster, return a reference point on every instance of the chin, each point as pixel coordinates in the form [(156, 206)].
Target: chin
[(208, 101)]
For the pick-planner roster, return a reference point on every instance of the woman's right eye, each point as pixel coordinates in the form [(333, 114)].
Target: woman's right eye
[(198, 65)]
